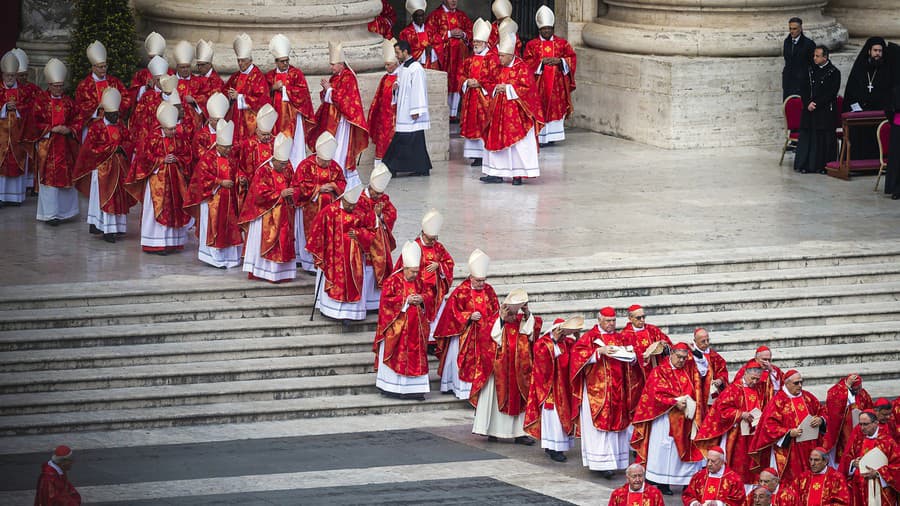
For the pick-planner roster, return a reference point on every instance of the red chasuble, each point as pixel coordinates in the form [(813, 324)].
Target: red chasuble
[(54, 489), (510, 363), (89, 92), (437, 282), (346, 102), (780, 416), (168, 184), (383, 242), (451, 51), (826, 489), (143, 122), (765, 386), (298, 101), (839, 416), (204, 141), (609, 382), (857, 446), (188, 87), (12, 151), (206, 86), (664, 384), (724, 417), (623, 496), (56, 154), (253, 87), (473, 108), (718, 369), (142, 78), (550, 387), (264, 201), (420, 42), (729, 488), (222, 228), (308, 178), (383, 24), (511, 119), (463, 301), (340, 258), (554, 88), (107, 148), (383, 115), (251, 155), (404, 333)]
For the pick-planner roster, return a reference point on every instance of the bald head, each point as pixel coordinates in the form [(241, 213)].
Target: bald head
[(701, 339)]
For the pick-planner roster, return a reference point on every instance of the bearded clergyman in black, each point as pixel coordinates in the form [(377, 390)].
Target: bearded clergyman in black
[(868, 89), (817, 144)]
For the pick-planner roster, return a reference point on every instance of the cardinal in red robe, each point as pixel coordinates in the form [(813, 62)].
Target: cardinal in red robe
[(383, 24), (772, 377), (641, 335), (602, 380), (383, 111), (247, 90), (290, 97), (842, 399), (13, 153), (255, 150), (500, 388), (478, 71), (25, 108), (421, 36), (716, 482), (103, 164), (462, 328), (821, 485), (553, 62), (53, 486), (90, 90), (782, 494), (548, 411), (664, 421), (453, 30), (711, 367), (867, 484), (779, 426), (379, 264), (401, 339), (208, 80), (731, 417), (636, 491), (883, 408), (154, 46)]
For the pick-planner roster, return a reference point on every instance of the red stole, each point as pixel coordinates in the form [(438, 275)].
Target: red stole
[(751, 399), (816, 490), (223, 168), (800, 409), (711, 488), (635, 498)]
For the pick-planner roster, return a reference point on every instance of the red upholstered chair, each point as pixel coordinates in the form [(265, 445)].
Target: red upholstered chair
[(884, 136), (793, 111)]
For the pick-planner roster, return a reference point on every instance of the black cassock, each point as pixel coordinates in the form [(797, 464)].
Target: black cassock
[(892, 179), (817, 144), (863, 74), (798, 58), (407, 151)]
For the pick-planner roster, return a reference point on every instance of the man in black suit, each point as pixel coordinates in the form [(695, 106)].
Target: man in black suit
[(817, 144), (798, 56)]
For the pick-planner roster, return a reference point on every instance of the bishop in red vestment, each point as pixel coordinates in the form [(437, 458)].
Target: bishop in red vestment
[(401, 339), (268, 213), (383, 24), (421, 36), (842, 399), (30, 94), (13, 153), (500, 388), (772, 377), (883, 408), (716, 483), (664, 422), (636, 491), (205, 135), (782, 494), (553, 62), (290, 97), (867, 484), (103, 164), (821, 485), (154, 46), (143, 121), (341, 114), (255, 150), (453, 30), (459, 331), (90, 90), (53, 486), (603, 373), (478, 72), (379, 264), (774, 441), (712, 370), (548, 411), (247, 89), (208, 80), (642, 336), (383, 111)]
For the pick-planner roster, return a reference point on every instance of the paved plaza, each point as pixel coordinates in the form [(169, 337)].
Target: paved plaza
[(597, 196)]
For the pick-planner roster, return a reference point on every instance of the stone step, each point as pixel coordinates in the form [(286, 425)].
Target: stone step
[(292, 305), (221, 413), (876, 388), (823, 355), (809, 336)]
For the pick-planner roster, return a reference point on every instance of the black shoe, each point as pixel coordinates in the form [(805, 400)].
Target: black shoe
[(54, 222), (895, 196), (607, 474), (556, 456), (524, 440), (804, 171), (664, 489), (94, 230), (120, 234), (413, 397), (110, 238), (345, 325), (517, 181), (432, 349), (492, 439), (476, 162), (491, 179), (823, 171), (32, 193), (448, 392)]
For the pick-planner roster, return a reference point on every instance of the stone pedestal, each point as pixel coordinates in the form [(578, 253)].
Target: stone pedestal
[(46, 32), (867, 18)]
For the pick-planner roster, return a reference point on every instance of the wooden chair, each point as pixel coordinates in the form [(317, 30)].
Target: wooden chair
[(884, 139), (793, 111)]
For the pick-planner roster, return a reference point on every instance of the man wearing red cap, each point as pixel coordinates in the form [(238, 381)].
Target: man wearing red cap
[(775, 441), (759, 496), (730, 422), (782, 494), (885, 418), (635, 491), (821, 485), (642, 335), (53, 487), (603, 377), (711, 367), (843, 399), (715, 485), (664, 421), (867, 485), (772, 377)]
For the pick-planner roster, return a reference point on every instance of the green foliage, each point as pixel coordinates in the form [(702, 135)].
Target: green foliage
[(112, 23)]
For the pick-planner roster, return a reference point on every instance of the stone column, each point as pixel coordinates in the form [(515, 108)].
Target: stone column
[(867, 18), (46, 32)]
